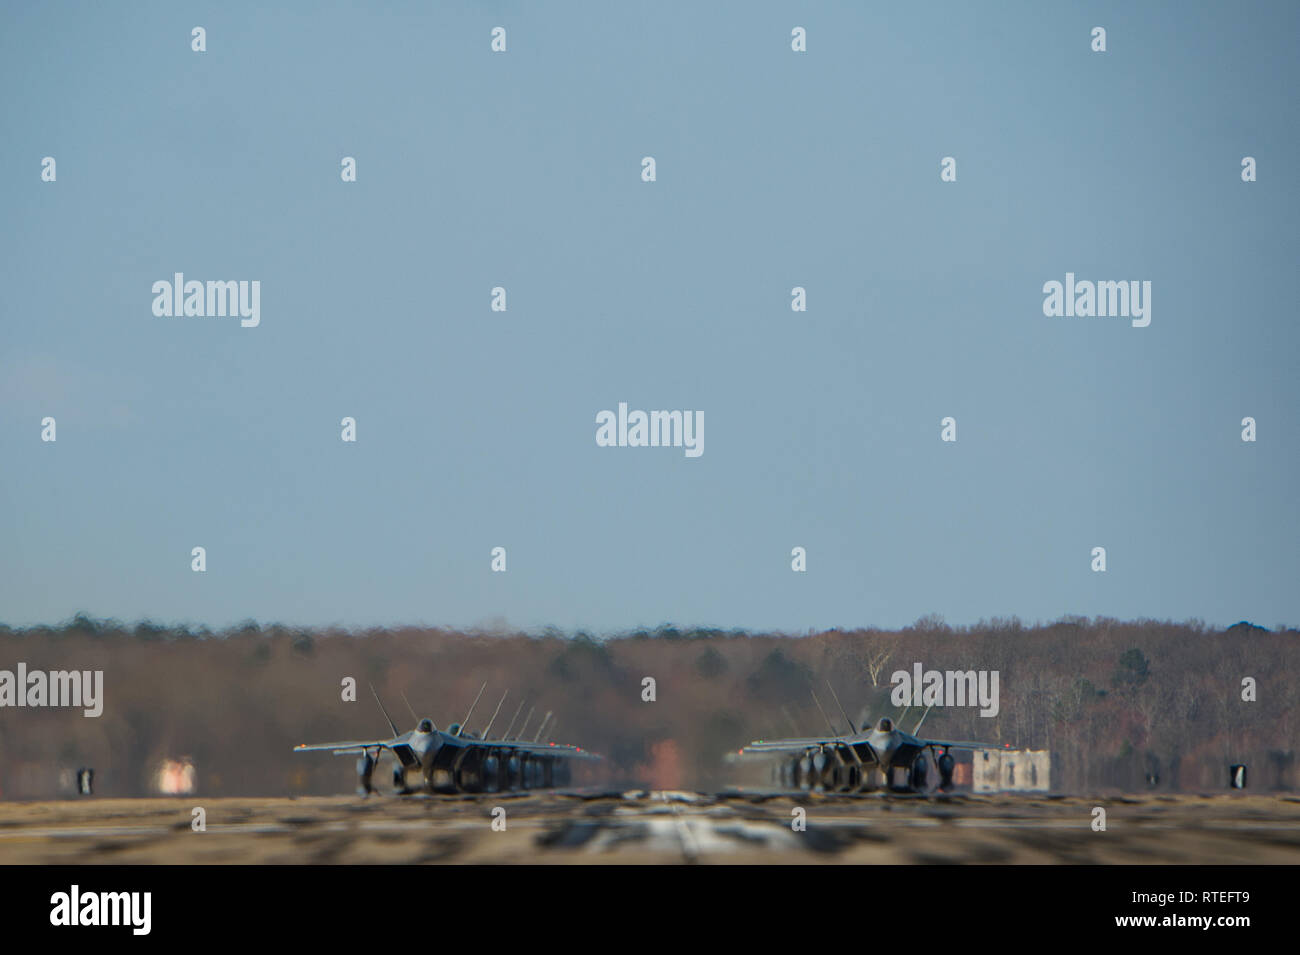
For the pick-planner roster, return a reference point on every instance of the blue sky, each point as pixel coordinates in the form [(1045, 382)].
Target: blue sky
[(476, 429)]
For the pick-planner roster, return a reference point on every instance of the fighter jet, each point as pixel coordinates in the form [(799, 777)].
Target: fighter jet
[(842, 762), (457, 761)]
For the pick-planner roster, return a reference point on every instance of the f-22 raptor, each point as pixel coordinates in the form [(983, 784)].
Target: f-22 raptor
[(843, 762), (457, 761)]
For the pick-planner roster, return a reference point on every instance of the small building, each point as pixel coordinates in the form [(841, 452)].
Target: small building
[(1013, 770)]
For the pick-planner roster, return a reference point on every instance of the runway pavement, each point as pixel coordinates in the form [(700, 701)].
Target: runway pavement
[(658, 827)]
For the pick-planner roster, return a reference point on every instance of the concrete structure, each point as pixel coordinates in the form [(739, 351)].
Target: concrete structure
[(1013, 770)]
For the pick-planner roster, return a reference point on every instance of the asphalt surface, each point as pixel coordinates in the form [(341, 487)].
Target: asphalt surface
[(658, 827)]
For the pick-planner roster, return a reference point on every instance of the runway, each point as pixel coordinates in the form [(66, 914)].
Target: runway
[(658, 827)]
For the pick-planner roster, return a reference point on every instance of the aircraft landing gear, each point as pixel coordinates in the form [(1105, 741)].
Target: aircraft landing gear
[(365, 769), (491, 774), (946, 766), (917, 774)]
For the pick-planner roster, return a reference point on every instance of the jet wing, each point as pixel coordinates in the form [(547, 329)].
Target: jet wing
[(348, 747), (958, 744), (539, 749), (560, 749), (793, 745)]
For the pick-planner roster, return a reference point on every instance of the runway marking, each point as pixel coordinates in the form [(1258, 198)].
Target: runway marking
[(91, 832), (690, 848)]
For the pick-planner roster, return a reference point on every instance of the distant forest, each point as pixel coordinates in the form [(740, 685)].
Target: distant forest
[(1122, 705)]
